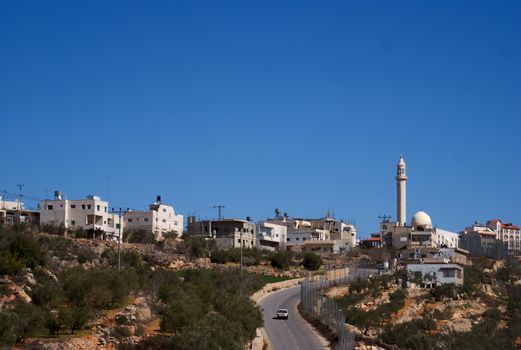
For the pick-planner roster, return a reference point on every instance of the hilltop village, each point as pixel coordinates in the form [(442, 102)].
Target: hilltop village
[(80, 274)]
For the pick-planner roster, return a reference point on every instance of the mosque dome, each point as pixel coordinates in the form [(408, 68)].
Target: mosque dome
[(421, 219)]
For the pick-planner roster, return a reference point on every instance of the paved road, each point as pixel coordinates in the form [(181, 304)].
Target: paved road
[(294, 333)]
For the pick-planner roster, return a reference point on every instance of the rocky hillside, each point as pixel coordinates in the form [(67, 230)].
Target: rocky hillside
[(484, 313)]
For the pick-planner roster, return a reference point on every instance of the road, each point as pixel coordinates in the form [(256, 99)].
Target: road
[(294, 333)]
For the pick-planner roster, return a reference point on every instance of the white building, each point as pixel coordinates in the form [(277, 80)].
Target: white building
[(10, 205), (506, 232), (90, 213), (438, 274), (271, 236), (159, 219), (302, 231)]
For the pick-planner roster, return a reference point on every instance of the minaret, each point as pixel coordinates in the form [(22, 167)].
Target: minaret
[(401, 181)]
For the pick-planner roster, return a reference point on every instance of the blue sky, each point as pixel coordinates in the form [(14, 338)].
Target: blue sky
[(304, 106)]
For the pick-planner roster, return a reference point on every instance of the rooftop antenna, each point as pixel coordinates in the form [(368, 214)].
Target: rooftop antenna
[(385, 218), (219, 207)]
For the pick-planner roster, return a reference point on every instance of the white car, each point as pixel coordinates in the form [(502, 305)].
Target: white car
[(283, 314)]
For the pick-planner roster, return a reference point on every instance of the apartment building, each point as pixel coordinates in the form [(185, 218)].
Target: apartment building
[(159, 219), (90, 214), (301, 232), (228, 233), (12, 212), (271, 236), (506, 232)]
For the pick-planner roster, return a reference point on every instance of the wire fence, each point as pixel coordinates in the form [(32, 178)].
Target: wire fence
[(324, 310)]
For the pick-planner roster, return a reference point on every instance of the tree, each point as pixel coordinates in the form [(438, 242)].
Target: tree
[(18, 250), (211, 332), (312, 261), (281, 260)]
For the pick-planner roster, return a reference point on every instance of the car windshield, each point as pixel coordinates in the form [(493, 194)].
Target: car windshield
[(283, 310)]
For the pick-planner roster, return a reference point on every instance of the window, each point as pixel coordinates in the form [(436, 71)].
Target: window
[(164, 220), (137, 219), (287, 239), (105, 209), (97, 207), (129, 220), (146, 219), (50, 207), (164, 210), (83, 206), (298, 239), (73, 222), (117, 225), (175, 222), (73, 206), (88, 206), (449, 273)]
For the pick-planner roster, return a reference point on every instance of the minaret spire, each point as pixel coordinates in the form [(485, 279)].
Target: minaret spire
[(401, 181)]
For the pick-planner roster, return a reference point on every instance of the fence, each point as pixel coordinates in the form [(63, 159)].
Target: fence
[(325, 311)]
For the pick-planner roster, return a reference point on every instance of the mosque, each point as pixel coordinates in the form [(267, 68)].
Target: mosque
[(420, 233)]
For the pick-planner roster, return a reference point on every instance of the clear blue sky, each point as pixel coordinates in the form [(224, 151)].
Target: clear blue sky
[(299, 105)]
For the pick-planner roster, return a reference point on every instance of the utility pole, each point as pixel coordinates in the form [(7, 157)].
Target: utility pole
[(219, 208), (120, 213), (20, 187), (241, 253), (119, 241)]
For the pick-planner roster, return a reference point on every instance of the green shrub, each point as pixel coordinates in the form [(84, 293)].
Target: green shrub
[(411, 335), (444, 291), (18, 250), (139, 236), (281, 260), (312, 261)]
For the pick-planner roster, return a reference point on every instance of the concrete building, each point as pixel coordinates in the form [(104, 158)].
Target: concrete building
[(300, 232), (159, 219), (332, 246), (10, 205), (506, 232), (271, 236), (90, 214), (228, 233), (435, 255), (480, 240), (12, 212), (438, 274)]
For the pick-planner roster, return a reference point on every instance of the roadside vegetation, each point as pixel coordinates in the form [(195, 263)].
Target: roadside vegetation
[(69, 286)]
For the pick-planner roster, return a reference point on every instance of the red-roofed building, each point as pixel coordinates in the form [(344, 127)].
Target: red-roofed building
[(374, 241), (506, 232)]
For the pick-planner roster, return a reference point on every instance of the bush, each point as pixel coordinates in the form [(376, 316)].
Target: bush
[(312, 261), (139, 236), (444, 291), (197, 247), (409, 335), (100, 289), (212, 332), (281, 260), (18, 250)]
